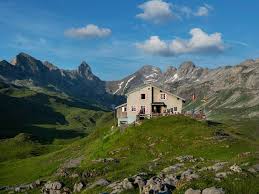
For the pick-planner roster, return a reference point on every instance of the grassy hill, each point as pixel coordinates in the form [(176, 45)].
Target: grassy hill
[(149, 148), (36, 122), (44, 114)]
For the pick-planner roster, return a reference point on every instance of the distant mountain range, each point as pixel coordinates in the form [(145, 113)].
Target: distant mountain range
[(25, 70), (230, 91), (221, 90)]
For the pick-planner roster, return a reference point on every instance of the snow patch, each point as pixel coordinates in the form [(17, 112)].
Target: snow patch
[(129, 80), (172, 79), (151, 75), (120, 84)]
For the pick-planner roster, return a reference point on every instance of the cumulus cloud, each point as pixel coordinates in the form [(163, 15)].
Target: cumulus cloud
[(156, 11), (200, 42), (160, 11), (89, 31)]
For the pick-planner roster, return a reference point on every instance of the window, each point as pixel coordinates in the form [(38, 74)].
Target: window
[(175, 109), (124, 109), (133, 108), (162, 96), (143, 96)]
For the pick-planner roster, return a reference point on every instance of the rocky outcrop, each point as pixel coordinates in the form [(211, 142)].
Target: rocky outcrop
[(192, 191), (211, 190)]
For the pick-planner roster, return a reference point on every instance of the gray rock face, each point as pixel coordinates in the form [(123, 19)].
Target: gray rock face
[(118, 187), (235, 81), (213, 190), (173, 168)]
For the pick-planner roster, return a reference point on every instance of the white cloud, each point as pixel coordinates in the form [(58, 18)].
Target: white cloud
[(203, 10), (154, 46), (156, 11), (159, 11), (89, 31), (200, 42)]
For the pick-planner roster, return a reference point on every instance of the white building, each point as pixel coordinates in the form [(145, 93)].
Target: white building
[(148, 101)]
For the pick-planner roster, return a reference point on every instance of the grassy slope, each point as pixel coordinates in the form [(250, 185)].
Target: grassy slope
[(166, 138), (163, 138), (136, 147), (39, 124), (26, 170)]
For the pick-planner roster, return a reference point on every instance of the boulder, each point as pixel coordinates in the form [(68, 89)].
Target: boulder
[(189, 174), (127, 185), (218, 166), (52, 187), (170, 180), (213, 190), (118, 187), (100, 182), (140, 182), (222, 174), (56, 185), (173, 168), (254, 168), (78, 187), (235, 168), (192, 191)]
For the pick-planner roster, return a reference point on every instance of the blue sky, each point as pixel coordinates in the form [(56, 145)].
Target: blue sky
[(117, 37)]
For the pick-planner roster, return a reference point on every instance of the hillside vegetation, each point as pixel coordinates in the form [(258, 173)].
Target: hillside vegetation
[(116, 154)]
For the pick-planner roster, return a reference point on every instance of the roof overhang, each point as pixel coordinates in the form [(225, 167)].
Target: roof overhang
[(158, 103), (122, 105)]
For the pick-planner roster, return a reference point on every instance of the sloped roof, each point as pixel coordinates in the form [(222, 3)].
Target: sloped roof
[(152, 85), (124, 104)]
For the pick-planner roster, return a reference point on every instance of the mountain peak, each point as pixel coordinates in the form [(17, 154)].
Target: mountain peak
[(187, 65), (22, 57), (85, 70), (170, 70), (149, 68)]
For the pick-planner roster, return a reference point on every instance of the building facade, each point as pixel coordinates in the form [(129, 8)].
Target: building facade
[(146, 102)]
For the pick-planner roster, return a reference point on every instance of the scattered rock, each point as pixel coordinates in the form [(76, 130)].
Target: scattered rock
[(216, 167), (127, 185), (52, 187), (118, 187), (100, 182), (192, 191), (254, 168), (186, 158), (140, 182), (78, 187), (222, 174), (189, 174), (235, 168), (172, 169), (213, 190)]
